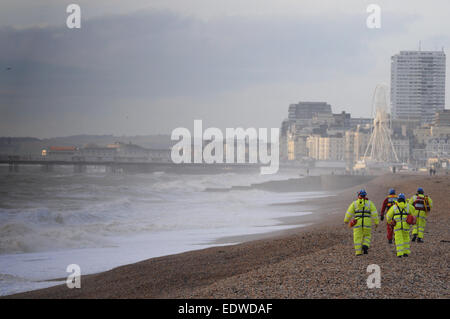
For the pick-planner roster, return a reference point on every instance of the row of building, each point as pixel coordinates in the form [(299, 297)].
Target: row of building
[(313, 132), (419, 125)]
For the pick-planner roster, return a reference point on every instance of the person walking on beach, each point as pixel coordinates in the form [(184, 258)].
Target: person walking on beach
[(360, 215), (398, 216), (422, 205), (388, 202)]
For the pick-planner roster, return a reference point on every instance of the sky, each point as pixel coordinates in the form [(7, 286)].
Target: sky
[(148, 67)]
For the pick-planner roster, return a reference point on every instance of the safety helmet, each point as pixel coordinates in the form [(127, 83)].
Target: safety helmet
[(401, 197), (362, 193), (420, 190), (391, 191)]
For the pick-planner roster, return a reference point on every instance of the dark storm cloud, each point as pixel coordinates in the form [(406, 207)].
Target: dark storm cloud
[(159, 54)]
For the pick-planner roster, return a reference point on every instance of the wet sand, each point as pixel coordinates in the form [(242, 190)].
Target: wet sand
[(315, 261)]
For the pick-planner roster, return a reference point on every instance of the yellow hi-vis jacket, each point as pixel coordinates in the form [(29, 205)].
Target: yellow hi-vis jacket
[(399, 212), (364, 211)]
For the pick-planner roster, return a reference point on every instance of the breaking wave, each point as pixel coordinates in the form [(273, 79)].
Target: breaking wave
[(42, 211)]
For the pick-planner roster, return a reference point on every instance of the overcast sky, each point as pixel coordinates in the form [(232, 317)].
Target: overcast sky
[(147, 67)]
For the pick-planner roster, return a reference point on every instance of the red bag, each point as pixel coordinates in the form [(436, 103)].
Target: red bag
[(411, 220), (352, 223)]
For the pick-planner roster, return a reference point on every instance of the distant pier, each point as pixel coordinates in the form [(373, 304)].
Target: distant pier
[(47, 164)]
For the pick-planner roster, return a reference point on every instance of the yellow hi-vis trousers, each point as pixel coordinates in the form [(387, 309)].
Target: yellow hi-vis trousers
[(361, 236), (402, 242), (421, 220)]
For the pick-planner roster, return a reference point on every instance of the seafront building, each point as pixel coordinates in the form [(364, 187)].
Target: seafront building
[(312, 134), (417, 85), (418, 128), (442, 118)]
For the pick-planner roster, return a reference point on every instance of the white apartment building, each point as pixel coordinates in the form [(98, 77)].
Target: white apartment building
[(438, 147), (329, 148), (417, 85), (356, 143), (401, 147)]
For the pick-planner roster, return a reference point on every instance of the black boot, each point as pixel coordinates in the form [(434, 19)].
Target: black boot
[(420, 240), (405, 255), (365, 249), (414, 237), (390, 241)]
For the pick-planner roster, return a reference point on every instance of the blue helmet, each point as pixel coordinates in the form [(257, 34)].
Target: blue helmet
[(391, 191), (420, 190), (362, 193), (401, 196)]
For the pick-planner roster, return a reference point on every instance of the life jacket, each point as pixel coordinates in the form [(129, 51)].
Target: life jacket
[(391, 199), (401, 216), (361, 213), (364, 211), (421, 203)]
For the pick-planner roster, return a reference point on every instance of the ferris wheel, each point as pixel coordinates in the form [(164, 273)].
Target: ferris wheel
[(380, 147)]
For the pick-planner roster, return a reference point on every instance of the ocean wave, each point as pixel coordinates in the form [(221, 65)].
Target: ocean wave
[(52, 211)]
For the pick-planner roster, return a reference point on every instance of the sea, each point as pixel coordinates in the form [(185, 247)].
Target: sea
[(98, 219)]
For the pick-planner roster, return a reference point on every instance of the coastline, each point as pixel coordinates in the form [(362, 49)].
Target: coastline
[(317, 257)]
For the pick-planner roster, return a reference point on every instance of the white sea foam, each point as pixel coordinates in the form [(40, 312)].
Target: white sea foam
[(100, 220)]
